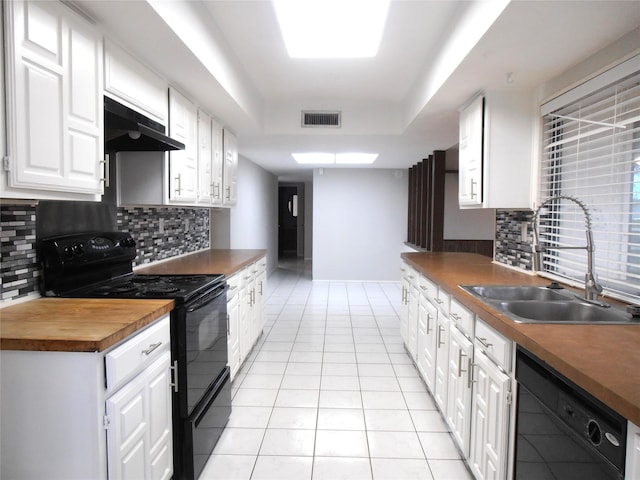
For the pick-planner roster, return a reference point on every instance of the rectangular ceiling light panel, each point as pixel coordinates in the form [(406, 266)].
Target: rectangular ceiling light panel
[(331, 28), (321, 158)]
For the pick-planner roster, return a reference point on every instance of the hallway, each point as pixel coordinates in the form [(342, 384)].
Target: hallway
[(329, 393)]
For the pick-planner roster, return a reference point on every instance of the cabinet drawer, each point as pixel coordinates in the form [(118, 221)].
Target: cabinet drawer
[(427, 288), (137, 353), (461, 317), (443, 301), (494, 344), (234, 285)]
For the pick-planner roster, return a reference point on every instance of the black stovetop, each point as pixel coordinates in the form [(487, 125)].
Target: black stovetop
[(99, 265), (177, 287)]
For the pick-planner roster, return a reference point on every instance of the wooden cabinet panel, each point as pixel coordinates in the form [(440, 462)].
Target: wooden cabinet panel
[(426, 203)]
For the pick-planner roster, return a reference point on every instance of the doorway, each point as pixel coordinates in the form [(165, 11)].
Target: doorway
[(291, 220)]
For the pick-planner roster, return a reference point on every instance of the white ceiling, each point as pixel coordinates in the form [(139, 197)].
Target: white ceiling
[(403, 104)]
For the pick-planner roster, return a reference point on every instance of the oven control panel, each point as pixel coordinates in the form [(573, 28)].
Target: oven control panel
[(86, 248)]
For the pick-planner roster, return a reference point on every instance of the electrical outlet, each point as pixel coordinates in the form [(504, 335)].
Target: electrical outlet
[(161, 225)]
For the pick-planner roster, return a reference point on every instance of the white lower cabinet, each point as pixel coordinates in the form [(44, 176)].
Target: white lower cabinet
[(489, 419), (246, 311), (139, 443), (233, 325), (468, 368), (442, 363), (459, 388), (427, 340), (632, 468), (97, 415)]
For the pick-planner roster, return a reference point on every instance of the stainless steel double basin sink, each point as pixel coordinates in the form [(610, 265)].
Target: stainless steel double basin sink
[(540, 304)]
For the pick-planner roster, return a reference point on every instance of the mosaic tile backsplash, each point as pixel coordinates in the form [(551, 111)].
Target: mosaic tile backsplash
[(165, 232), (19, 271), (514, 238), (160, 233)]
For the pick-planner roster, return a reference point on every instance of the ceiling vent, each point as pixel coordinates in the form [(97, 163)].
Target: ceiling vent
[(321, 119)]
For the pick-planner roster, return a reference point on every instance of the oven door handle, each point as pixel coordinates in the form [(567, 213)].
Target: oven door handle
[(206, 299)]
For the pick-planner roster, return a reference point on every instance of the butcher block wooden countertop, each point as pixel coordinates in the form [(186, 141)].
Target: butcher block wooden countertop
[(93, 325), (205, 261), (75, 324), (602, 359)]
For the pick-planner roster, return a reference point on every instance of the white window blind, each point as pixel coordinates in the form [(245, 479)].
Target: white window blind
[(591, 151)]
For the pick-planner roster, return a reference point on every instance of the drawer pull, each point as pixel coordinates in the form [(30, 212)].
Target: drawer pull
[(484, 342), (428, 323), (151, 348), (439, 302), (456, 317)]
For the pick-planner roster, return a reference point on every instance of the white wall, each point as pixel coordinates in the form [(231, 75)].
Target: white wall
[(359, 223), (253, 221)]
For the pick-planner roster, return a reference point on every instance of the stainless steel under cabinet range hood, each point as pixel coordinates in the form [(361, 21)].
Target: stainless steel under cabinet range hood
[(126, 130)]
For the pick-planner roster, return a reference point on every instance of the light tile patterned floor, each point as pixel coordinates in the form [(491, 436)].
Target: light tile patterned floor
[(329, 393)]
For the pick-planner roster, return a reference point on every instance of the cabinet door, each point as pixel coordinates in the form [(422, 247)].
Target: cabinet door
[(139, 435), (404, 305), (230, 168), (233, 334), (427, 333), (260, 296), (54, 99), (633, 451), (412, 326), (217, 162), (442, 362), (470, 154), (489, 420), (183, 164), (460, 383), (205, 154), (133, 84)]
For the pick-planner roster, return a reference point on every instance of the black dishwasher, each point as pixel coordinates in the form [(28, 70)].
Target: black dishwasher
[(562, 432)]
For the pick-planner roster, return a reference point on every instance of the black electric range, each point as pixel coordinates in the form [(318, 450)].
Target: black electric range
[(100, 265)]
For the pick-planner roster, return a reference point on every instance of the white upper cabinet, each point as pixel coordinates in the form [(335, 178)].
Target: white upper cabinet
[(470, 154), (210, 188), (54, 84), (230, 168), (496, 150), (183, 164), (134, 85), (217, 162), (205, 153)]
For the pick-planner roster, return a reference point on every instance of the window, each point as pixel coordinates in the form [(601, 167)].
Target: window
[(591, 151)]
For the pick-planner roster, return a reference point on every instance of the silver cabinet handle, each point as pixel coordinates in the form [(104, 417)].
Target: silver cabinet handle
[(473, 184), (484, 342), (460, 369), (457, 318), (428, 323), (174, 371), (179, 184), (151, 348), (228, 189), (440, 330), (105, 174), (470, 380)]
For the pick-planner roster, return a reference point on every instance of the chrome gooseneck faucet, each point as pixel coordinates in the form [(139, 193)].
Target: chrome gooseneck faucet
[(591, 287)]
